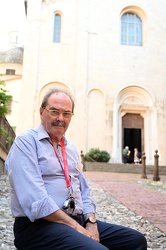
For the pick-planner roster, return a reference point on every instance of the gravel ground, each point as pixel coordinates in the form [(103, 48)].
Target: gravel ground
[(108, 209), (111, 210)]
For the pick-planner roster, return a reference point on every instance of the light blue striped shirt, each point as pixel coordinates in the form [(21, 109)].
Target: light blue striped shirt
[(38, 185)]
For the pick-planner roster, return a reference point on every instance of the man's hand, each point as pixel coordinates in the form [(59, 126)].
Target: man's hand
[(60, 217), (93, 230)]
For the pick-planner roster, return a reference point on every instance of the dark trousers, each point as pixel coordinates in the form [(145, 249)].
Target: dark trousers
[(45, 235), (125, 159)]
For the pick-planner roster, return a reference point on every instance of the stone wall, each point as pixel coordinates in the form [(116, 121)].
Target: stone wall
[(122, 168)]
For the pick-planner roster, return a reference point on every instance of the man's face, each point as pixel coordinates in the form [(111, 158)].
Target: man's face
[(56, 125)]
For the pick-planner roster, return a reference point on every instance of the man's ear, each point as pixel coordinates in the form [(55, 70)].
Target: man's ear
[(41, 110)]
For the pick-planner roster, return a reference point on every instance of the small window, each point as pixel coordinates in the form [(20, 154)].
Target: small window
[(14, 38), (10, 72), (57, 28), (131, 29)]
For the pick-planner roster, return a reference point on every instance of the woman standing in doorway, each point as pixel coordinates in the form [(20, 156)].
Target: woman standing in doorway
[(137, 156)]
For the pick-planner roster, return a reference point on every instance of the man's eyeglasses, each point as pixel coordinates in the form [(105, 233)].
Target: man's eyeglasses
[(56, 113)]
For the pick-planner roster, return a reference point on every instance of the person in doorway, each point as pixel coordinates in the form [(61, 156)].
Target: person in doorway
[(126, 155), (137, 156), (50, 198)]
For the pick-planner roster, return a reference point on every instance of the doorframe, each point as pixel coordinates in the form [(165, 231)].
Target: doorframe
[(135, 99), (133, 121), (150, 134)]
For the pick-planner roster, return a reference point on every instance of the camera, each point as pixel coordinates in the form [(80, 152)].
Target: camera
[(69, 203)]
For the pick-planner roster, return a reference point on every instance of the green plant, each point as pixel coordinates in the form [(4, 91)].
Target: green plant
[(3, 131), (9, 139), (4, 99), (95, 154), (105, 156)]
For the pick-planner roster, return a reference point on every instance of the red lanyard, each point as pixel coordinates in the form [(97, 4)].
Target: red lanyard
[(65, 168)]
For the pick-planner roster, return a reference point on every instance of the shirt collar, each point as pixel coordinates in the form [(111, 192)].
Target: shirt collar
[(42, 134)]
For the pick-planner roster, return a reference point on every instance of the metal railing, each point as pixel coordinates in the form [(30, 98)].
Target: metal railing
[(7, 134)]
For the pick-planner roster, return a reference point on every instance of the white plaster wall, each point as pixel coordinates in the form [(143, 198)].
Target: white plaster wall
[(89, 57), (13, 85)]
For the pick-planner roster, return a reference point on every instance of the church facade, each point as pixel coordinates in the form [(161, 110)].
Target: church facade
[(112, 56)]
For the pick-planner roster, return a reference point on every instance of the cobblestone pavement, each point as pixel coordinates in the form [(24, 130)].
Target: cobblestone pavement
[(129, 200), (110, 206)]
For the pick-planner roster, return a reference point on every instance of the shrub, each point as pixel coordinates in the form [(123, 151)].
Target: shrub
[(95, 154), (4, 99)]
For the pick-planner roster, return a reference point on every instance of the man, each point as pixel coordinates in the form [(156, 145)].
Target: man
[(50, 198), (126, 154)]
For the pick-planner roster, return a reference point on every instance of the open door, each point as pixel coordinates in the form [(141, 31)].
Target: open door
[(133, 127)]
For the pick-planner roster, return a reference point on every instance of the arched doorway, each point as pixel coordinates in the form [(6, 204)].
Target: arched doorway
[(133, 133), (134, 119)]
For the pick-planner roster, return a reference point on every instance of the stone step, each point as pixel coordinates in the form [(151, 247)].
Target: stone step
[(122, 168)]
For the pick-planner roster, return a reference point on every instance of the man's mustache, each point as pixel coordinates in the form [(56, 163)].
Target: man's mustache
[(58, 124)]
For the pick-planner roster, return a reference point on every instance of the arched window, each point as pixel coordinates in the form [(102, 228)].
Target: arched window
[(131, 29), (57, 28)]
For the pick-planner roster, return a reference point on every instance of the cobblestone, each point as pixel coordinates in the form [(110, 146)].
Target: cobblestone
[(108, 209), (111, 210)]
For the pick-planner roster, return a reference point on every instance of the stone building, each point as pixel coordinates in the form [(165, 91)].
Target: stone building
[(112, 56), (11, 63)]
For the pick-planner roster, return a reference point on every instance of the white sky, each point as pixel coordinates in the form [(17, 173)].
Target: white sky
[(12, 18)]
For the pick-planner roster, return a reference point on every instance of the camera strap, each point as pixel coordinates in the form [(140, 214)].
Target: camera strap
[(65, 168)]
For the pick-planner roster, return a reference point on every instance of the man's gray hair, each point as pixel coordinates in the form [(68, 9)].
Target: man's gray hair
[(57, 90)]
